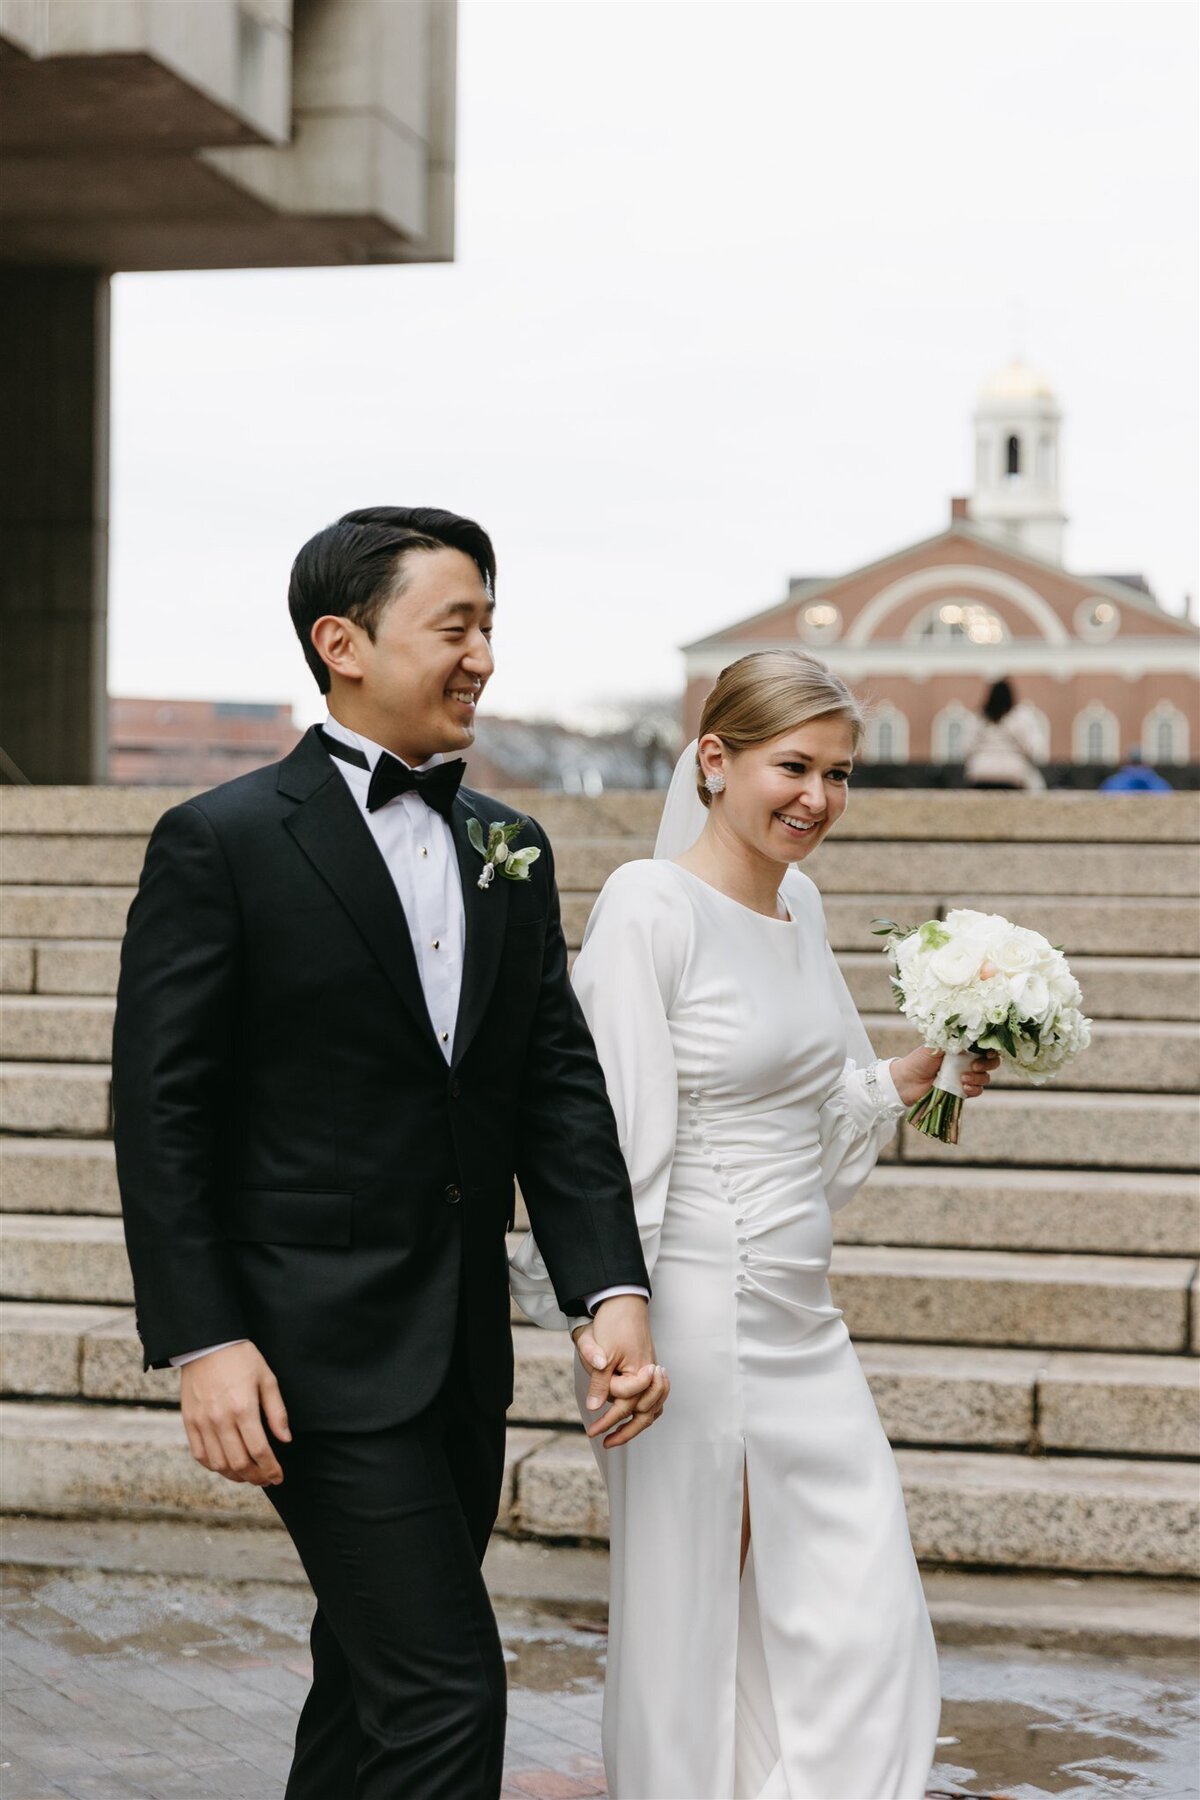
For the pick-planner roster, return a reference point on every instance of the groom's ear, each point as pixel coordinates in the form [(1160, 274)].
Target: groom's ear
[(335, 641)]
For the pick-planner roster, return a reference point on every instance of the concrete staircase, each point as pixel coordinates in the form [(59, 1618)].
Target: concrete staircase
[(1026, 1305)]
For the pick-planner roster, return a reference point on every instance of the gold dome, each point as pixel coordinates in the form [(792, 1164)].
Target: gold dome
[(1016, 381)]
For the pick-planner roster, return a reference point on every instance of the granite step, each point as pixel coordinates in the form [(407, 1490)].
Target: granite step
[(968, 1297), (1048, 1127), (920, 815), (949, 1395), (73, 966), (59, 1257), (1105, 1212), (1124, 1056), (1004, 1399), (55, 1099), (994, 1510), (1114, 987), (70, 1461), (46, 1028), (984, 1508), (840, 866), (58, 1175), (65, 912), (1014, 1298)]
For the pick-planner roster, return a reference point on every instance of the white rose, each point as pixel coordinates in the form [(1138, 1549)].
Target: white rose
[(1015, 954), (1031, 996), (956, 963)]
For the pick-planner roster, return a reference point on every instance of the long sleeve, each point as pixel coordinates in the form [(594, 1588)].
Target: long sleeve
[(172, 1057), (569, 1163), (626, 977), (861, 1111)]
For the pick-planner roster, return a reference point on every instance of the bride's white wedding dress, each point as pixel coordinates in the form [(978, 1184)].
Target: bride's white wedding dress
[(749, 1108)]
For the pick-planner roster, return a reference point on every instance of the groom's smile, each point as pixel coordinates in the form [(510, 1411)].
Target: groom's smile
[(414, 685)]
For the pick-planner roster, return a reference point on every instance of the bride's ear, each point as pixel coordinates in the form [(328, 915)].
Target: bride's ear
[(710, 754)]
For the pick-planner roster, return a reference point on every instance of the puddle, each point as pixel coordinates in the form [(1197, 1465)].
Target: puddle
[(549, 1651), (1032, 1724), (1015, 1723)]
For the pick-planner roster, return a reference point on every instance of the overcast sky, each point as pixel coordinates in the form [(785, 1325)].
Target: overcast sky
[(729, 275)]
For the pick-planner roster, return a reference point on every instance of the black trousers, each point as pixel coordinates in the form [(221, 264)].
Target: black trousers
[(408, 1699)]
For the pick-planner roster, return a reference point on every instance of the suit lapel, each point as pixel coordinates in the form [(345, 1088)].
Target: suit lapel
[(486, 912), (331, 832)]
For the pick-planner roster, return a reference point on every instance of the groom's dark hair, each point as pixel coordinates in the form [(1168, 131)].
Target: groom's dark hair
[(355, 566)]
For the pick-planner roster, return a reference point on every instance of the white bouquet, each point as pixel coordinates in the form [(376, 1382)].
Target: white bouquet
[(974, 982)]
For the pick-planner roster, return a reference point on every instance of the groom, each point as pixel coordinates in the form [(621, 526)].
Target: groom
[(338, 1039)]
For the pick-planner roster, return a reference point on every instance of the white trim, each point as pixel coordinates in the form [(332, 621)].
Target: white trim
[(887, 713), (1095, 713), (966, 575), (1179, 727), (953, 713), (1131, 658)]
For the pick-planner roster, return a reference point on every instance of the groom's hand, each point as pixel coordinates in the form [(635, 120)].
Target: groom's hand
[(224, 1398), (617, 1351)]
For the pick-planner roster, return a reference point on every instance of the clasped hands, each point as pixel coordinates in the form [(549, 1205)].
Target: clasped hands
[(627, 1388), (230, 1398)]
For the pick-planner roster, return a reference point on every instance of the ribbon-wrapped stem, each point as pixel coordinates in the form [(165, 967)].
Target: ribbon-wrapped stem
[(937, 1113)]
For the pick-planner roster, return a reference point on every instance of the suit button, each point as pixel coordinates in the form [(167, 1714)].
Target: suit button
[(455, 1089), (453, 1195)]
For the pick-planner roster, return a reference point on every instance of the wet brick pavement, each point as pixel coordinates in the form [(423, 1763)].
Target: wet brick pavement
[(154, 1687)]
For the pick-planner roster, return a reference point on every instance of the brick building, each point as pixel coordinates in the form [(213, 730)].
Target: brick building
[(194, 743), (921, 634)]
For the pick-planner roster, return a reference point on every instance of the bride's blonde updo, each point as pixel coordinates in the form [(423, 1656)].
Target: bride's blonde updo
[(765, 694)]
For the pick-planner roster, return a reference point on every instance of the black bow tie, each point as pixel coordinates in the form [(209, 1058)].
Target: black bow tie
[(436, 787)]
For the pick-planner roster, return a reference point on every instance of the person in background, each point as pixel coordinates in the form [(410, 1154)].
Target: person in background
[(1002, 752), (1133, 777)]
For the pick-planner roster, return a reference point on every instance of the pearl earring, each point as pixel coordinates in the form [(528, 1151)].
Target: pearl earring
[(715, 784)]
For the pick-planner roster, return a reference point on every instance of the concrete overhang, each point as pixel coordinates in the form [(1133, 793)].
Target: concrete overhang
[(169, 134)]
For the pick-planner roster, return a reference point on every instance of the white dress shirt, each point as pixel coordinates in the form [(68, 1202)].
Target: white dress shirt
[(417, 845)]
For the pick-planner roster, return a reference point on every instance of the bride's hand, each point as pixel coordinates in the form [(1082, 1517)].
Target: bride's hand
[(915, 1073)]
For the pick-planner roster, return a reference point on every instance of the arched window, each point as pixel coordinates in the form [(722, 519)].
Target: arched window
[(1165, 735), (1096, 735), (887, 734), (952, 729), (1012, 455), (968, 621)]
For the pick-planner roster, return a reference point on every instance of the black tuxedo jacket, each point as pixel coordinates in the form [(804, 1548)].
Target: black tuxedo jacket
[(298, 1165)]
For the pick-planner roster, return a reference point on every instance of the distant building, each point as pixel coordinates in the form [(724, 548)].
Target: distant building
[(194, 743), (923, 632), (524, 753), (200, 743)]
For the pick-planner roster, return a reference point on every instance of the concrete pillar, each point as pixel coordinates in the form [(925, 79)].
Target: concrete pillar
[(54, 350)]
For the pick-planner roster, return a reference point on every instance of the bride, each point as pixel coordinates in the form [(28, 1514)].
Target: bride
[(767, 1629)]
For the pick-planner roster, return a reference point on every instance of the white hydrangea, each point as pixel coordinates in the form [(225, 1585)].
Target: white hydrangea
[(974, 980)]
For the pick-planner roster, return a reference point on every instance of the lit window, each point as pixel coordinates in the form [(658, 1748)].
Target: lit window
[(967, 620), (819, 623), (1097, 620)]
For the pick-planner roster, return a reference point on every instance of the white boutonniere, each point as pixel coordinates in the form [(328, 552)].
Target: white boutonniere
[(514, 865)]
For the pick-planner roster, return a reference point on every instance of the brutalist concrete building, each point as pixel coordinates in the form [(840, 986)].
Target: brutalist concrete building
[(172, 134)]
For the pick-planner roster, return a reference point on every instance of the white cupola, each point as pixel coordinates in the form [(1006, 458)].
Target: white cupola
[(1017, 464)]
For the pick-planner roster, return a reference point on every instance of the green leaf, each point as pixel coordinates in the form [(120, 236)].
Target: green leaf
[(933, 934), (475, 833)]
